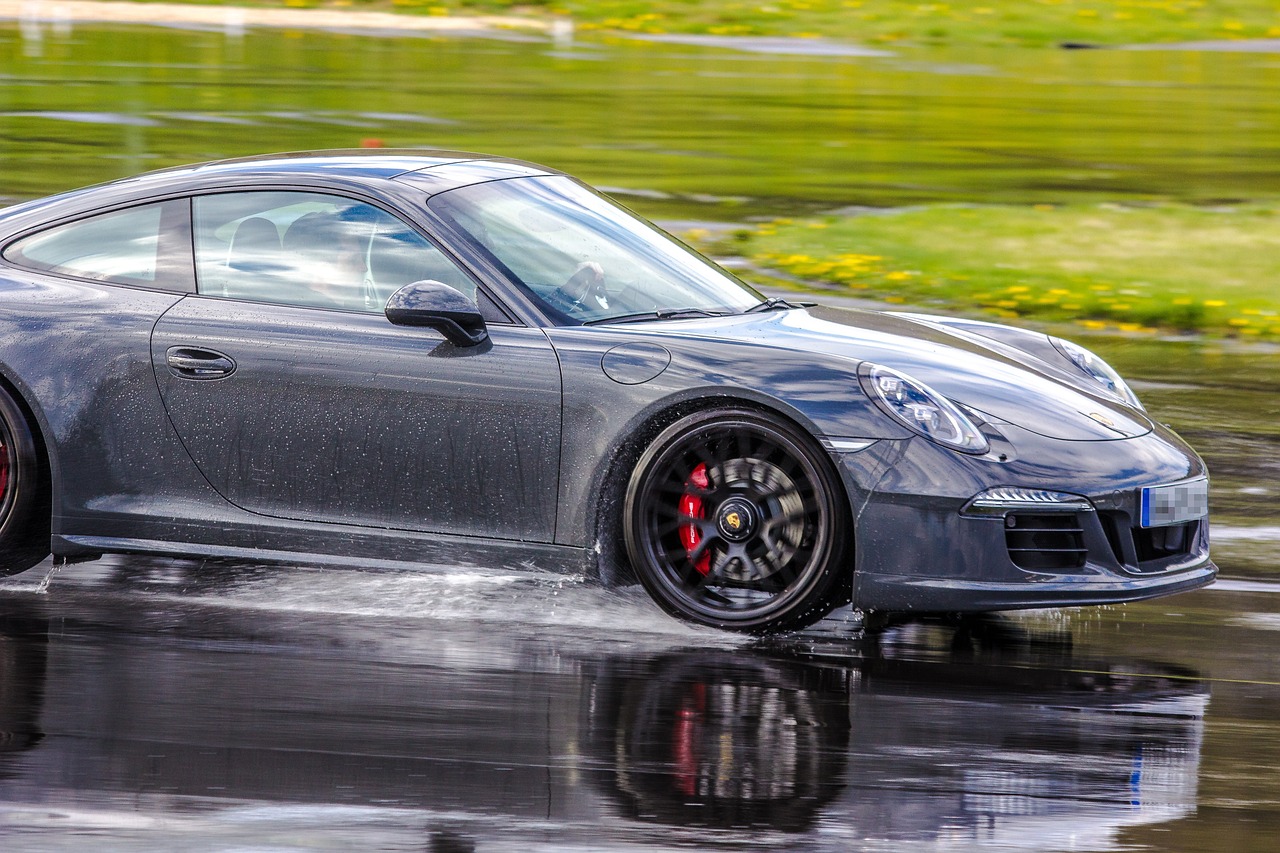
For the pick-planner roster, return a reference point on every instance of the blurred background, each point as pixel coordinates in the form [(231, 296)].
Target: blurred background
[(1102, 168)]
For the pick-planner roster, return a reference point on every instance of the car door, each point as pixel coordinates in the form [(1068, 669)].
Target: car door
[(297, 398)]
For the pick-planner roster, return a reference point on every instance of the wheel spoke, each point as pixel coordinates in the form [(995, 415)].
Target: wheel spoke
[(777, 493), (684, 489), (704, 457), (701, 548), (789, 518), (667, 528), (717, 598)]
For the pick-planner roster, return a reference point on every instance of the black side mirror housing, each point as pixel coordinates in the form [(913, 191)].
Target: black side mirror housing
[(441, 307)]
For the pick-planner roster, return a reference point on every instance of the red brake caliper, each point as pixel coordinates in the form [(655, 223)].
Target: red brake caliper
[(691, 505), (684, 739)]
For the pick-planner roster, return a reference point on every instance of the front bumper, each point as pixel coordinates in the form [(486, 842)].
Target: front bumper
[(895, 593), (920, 547)]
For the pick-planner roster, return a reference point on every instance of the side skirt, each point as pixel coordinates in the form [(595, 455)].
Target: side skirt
[(456, 553)]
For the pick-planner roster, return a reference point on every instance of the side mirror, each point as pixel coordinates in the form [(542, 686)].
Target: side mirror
[(440, 307)]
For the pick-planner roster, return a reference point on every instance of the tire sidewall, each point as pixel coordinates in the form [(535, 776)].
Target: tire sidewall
[(20, 547)]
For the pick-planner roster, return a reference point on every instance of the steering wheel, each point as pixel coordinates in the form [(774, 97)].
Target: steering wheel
[(584, 291)]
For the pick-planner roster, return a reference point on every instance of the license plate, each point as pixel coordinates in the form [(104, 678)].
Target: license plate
[(1175, 503)]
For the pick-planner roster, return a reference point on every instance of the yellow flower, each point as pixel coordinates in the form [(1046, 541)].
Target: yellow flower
[(1214, 303)]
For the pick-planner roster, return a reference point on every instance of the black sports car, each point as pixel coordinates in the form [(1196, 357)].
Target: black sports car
[(393, 358)]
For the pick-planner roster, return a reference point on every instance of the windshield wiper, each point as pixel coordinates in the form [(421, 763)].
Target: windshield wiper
[(773, 303), (661, 314)]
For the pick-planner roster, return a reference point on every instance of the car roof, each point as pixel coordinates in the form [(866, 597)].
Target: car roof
[(350, 163), (432, 170)]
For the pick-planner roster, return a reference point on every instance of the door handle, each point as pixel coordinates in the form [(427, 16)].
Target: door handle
[(195, 363)]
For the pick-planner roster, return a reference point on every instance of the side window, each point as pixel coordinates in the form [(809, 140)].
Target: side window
[(147, 245), (311, 249)]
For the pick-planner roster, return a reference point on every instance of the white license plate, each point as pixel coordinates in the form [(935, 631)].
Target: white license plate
[(1175, 503)]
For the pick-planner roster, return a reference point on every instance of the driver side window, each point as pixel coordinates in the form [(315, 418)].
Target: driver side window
[(311, 249)]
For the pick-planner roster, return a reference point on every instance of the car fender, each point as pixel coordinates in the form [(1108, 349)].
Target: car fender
[(608, 420)]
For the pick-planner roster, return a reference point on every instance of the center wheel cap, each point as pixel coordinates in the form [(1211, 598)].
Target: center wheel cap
[(736, 519)]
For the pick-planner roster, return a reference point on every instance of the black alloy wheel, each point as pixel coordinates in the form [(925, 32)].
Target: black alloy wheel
[(734, 520), (24, 526)]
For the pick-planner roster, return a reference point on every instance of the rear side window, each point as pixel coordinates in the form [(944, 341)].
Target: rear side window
[(147, 246)]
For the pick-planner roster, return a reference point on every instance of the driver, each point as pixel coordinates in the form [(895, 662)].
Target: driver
[(585, 288), (332, 254)]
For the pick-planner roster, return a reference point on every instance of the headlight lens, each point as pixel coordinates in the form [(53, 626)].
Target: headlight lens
[(1099, 371), (920, 408)]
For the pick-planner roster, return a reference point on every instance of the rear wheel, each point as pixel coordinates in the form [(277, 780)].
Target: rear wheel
[(24, 522), (734, 520)]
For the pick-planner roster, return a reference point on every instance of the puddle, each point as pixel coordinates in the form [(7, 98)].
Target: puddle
[(766, 44), (87, 118)]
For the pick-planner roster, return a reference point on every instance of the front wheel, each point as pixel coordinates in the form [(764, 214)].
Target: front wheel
[(24, 521), (734, 520)]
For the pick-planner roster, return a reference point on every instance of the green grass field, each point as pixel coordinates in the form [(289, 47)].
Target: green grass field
[(1154, 171), (1139, 269), (987, 22)]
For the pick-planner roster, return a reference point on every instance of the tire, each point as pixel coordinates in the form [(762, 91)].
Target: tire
[(734, 520), (24, 490)]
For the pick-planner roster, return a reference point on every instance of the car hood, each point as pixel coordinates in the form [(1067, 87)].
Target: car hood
[(1002, 383)]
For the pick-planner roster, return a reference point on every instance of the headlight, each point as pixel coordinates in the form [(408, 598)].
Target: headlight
[(920, 408), (1099, 371)]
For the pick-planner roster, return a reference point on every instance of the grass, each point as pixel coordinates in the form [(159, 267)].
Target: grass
[(1121, 190), (1031, 23), (1136, 269)]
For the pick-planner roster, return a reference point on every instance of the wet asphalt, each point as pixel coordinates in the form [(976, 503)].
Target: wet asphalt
[(163, 705)]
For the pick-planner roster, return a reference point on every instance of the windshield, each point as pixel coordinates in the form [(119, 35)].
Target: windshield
[(583, 257)]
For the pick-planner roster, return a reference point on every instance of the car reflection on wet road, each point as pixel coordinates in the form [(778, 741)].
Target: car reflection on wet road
[(154, 705)]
